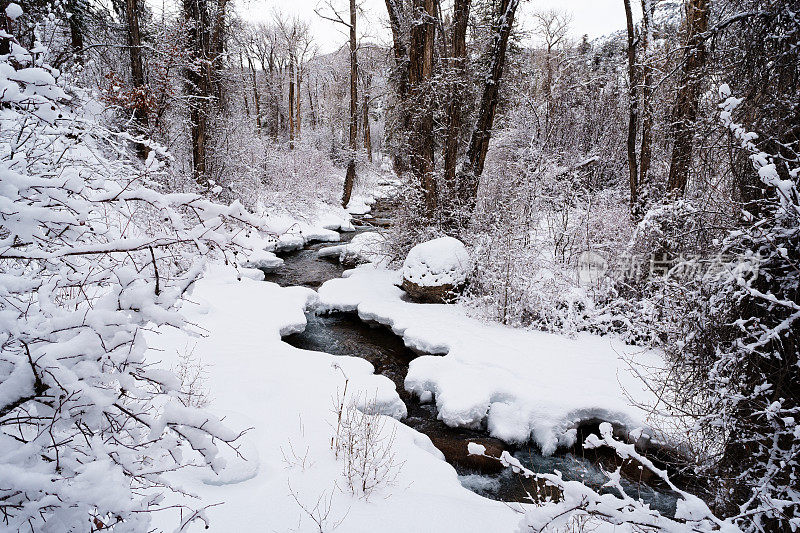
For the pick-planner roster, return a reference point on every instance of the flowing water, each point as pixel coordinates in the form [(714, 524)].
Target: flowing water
[(345, 334)]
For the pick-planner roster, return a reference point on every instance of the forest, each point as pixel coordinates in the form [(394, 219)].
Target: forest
[(457, 268)]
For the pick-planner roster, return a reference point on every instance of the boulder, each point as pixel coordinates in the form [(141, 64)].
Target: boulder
[(456, 452), (436, 270), (367, 247)]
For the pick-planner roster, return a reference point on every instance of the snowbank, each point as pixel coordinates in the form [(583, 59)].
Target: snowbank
[(286, 396), (442, 261), (262, 259), (520, 384)]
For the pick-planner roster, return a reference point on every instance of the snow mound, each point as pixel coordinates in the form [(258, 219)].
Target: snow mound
[(263, 259), (13, 11), (442, 261), (368, 247)]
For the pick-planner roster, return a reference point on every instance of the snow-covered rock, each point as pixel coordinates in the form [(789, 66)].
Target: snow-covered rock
[(433, 270), (368, 247)]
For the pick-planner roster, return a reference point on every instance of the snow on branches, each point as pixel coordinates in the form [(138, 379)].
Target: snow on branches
[(91, 254), (577, 501)]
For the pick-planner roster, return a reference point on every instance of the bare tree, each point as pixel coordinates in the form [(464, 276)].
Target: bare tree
[(552, 26), (350, 175)]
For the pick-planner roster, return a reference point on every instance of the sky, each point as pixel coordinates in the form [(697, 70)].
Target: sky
[(592, 17)]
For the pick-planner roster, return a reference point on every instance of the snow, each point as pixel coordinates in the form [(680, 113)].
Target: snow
[(442, 261), (262, 259), (13, 11), (367, 247), (286, 396), (519, 384)]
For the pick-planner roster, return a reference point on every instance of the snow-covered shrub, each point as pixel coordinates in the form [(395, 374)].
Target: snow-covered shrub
[(733, 353), (91, 254)]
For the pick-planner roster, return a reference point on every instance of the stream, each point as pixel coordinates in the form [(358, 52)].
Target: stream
[(346, 334)]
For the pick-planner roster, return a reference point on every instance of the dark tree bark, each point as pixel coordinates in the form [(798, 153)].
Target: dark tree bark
[(645, 154), (400, 75), (350, 176), (256, 100), (365, 118), (197, 82), (5, 28), (420, 104), (291, 103), (479, 142), (353, 124), (244, 93), (76, 30), (684, 112), (311, 106), (298, 99), (399, 49), (217, 49), (633, 112), (458, 81), (140, 118)]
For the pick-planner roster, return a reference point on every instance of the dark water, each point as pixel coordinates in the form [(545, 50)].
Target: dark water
[(345, 334)]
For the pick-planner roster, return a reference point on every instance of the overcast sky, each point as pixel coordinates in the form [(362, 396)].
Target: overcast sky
[(593, 17)]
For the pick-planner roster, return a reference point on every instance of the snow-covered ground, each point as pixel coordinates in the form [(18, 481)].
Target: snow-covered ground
[(521, 384), (286, 395)]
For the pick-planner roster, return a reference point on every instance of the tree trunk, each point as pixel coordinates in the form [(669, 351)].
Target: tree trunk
[(353, 79), (684, 112), (420, 70), (216, 49), (140, 119), (365, 121), (400, 75), (645, 154), (197, 83), (256, 100), (350, 176), (633, 113), (273, 97), (291, 103), (456, 96), (349, 181), (244, 92), (76, 28), (5, 29), (479, 142), (298, 94), (311, 107)]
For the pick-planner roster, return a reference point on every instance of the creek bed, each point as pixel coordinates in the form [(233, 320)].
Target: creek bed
[(346, 334)]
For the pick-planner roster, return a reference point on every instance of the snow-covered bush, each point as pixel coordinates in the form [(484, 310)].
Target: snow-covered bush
[(733, 352), (91, 254)]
